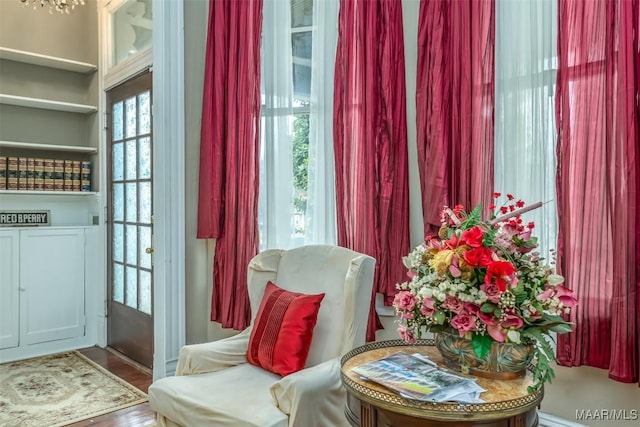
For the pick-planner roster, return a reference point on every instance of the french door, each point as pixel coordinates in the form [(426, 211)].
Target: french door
[(130, 219)]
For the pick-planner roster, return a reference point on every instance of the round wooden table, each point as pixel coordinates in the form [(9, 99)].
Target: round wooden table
[(507, 403)]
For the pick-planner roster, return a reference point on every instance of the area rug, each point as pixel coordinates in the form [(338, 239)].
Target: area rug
[(60, 389)]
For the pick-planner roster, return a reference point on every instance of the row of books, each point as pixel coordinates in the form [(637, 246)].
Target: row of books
[(29, 173)]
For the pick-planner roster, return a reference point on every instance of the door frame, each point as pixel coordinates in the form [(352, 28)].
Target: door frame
[(167, 62)]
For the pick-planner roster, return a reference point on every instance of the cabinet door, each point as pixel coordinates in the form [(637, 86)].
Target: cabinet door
[(52, 280), (9, 288)]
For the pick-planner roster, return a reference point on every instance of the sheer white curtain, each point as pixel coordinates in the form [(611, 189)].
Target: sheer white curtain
[(281, 225), (525, 135), (276, 200), (320, 226)]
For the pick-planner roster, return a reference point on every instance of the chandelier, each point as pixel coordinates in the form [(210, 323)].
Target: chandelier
[(62, 6)]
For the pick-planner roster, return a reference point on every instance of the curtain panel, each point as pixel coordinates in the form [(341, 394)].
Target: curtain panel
[(525, 129), (370, 140), (597, 182), (229, 149), (454, 105)]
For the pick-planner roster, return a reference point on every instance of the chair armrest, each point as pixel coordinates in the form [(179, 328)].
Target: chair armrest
[(213, 356), (312, 397)]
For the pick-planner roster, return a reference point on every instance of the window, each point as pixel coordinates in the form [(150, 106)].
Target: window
[(525, 129), (290, 125)]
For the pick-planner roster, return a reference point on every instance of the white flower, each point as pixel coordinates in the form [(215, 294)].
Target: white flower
[(555, 279), (425, 293), (514, 336)]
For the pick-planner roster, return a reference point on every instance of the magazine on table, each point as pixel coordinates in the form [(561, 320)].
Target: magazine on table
[(414, 376)]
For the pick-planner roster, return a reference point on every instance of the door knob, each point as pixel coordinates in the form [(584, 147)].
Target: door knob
[(149, 250)]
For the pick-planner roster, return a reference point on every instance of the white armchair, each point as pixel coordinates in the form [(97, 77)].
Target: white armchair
[(215, 386)]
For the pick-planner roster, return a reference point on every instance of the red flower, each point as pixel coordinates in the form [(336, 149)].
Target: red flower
[(453, 242), (500, 273), (520, 204), (496, 195), (472, 237), (504, 209), (531, 225), (492, 207), (478, 257), (510, 196)]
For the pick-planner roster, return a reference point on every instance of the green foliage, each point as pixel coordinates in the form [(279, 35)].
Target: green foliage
[(488, 307), (543, 355), (300, 152), (481, 345), (473, 218)]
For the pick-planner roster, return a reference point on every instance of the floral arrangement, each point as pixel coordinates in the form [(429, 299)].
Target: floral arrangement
[(483, 279)]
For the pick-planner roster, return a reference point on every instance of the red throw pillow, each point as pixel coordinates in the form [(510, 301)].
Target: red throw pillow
[(283, 329)]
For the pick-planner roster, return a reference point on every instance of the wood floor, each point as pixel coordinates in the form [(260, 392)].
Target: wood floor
[(134, 416)]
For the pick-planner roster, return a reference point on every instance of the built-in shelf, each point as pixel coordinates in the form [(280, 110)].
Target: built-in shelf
[(49, 193), (47, 104), (48, 147), (46, 61)]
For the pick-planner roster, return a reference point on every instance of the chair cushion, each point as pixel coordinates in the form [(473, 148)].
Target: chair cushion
[(283, 330), (219, 398)]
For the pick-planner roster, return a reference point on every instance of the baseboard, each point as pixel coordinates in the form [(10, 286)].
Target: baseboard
[(548, 420)]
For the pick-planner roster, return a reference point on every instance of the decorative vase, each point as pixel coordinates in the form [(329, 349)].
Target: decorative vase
[(504, 361)]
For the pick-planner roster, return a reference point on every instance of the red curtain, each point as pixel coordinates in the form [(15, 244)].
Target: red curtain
[(455, 97), (229, 153), (370, 140), (597, 182)]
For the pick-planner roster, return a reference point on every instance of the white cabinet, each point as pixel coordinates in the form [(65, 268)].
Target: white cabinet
[(9, 288), (43, 290), (51, 284)]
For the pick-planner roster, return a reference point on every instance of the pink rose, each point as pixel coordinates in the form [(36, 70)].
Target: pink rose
[(427, 307), (491, 291), (404, 301), (454, 304), (463, 323), (406, 335), (473, 309)]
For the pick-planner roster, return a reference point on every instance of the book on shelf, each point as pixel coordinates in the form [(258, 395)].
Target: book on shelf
[(415, 377), (85, 175), (58, 175), (12, 173), (31, 173), (76, 179), (3, 172), (68, 175), (38, 174), (49, 175), (22, 173)]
